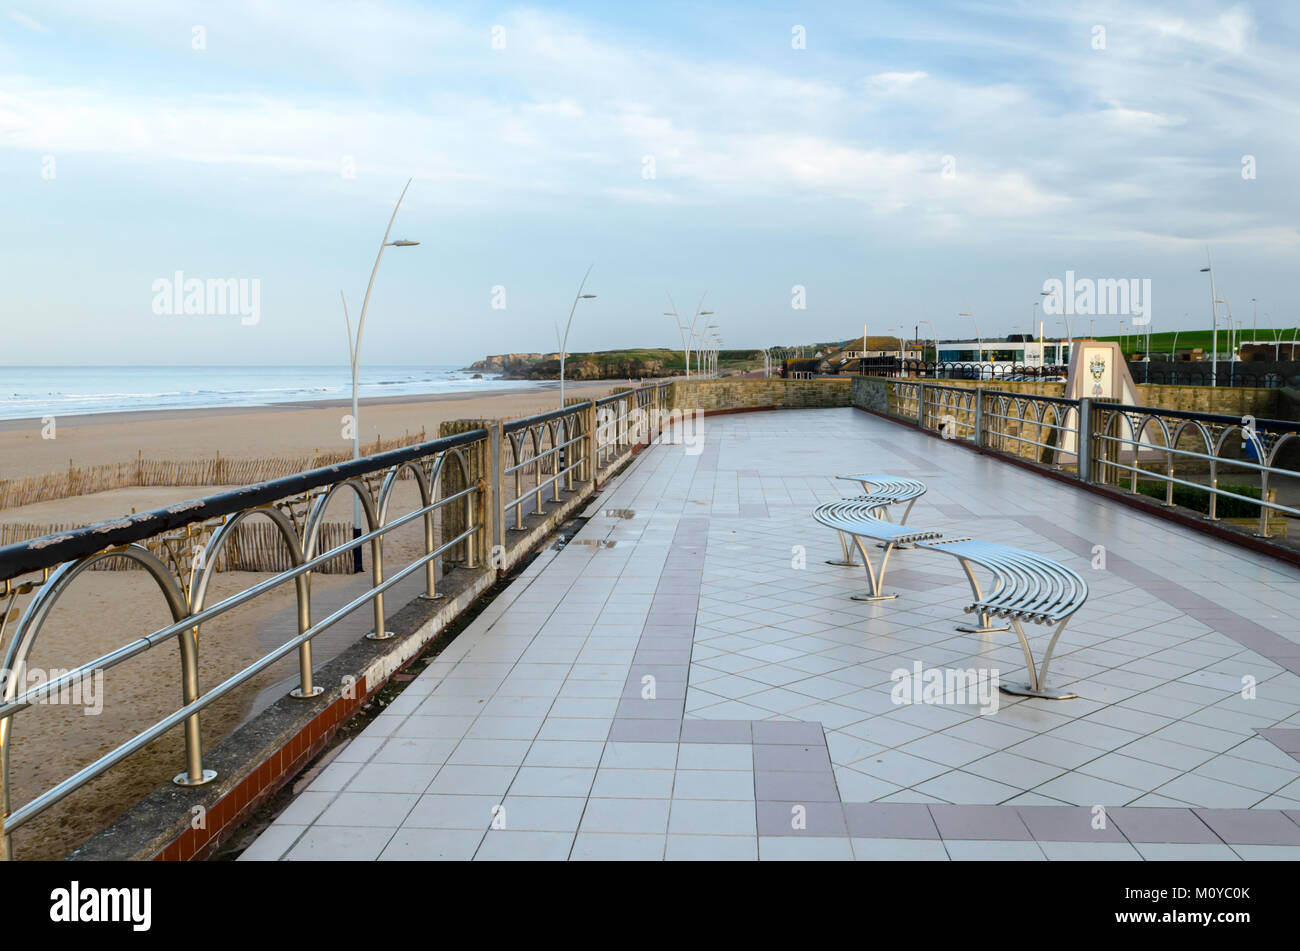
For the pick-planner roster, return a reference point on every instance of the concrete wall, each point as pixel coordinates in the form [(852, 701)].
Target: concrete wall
[(769, 393)]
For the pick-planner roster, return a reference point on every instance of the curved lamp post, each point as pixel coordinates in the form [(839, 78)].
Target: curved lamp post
[(354, 354), (564, 344)]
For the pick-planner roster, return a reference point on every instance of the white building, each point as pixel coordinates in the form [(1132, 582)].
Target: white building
[(1005, 354)]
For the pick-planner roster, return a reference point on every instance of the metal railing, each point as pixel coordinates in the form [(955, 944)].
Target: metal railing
[(1107, 443), (951, 370), (469, 484)]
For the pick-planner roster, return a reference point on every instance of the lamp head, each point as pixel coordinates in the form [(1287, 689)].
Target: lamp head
[(402, 243)]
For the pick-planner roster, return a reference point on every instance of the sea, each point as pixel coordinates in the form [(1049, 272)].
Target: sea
[(34, 392)]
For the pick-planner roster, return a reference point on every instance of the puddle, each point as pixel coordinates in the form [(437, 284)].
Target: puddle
[(593, 543), (619, 513)]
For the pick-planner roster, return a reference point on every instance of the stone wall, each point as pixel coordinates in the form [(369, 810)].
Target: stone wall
[(767, 393), (869, 392)]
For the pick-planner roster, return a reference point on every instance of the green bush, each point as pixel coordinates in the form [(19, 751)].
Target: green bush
[(1198, 500)]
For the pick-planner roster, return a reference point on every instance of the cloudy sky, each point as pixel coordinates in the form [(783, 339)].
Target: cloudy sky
[(909, 162)]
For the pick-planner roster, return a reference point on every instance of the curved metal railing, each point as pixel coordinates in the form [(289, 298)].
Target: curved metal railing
[(1108, 443), (46, 569)]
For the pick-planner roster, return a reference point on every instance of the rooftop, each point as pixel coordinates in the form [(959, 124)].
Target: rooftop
[(772, 732)]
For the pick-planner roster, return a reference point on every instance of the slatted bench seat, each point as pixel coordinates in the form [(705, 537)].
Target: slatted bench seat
[(862, 518), (898, 488), (1027, 587)]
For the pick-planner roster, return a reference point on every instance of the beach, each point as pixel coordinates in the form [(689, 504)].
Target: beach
[(249, 431), (105, 609)]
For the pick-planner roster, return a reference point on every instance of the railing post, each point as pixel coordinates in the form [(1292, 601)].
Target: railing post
[(979, 417), (920, 404), (590, 463), (496, 494), (1083, 449)]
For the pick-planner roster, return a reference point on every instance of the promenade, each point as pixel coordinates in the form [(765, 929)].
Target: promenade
[(688, 679)]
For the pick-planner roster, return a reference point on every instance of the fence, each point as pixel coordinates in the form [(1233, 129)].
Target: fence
[(478, 473), (83, 480), (256, 547), (931, 370), (1140, 449)]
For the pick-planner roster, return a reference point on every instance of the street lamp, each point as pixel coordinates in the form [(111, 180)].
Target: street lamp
[(354, 355), (1214, 305), (564, 344), (980, 358)]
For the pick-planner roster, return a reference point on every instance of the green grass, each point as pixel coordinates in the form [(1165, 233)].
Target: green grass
[(1198, 500), (1162, 343)]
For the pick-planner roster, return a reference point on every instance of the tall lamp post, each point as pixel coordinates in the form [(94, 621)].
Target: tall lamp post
[(354, 354), (1214, 305), (979, 360), (564, 343)]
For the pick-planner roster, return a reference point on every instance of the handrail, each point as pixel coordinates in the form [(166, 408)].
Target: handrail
[(40, 553)]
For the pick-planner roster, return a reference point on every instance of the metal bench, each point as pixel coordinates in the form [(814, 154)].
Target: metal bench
[(897, 488), (1027, 587), (861, 518)]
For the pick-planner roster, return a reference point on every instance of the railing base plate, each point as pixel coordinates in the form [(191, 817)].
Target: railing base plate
[(375, 636), (844, 564), (297, 693), (873, 597), (430, 597), (183, 779), (967, 629)]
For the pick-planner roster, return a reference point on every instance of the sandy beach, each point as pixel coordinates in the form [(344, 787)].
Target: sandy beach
[(106, 609), (240, 432)]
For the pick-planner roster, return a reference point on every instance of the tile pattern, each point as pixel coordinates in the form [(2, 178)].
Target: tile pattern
[(693, 682)]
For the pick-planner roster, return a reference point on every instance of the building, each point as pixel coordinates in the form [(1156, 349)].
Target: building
[(1015, 350)]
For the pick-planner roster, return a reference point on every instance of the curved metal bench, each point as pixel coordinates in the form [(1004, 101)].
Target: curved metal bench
[(861, 518), (1027, 587), (897, 488)]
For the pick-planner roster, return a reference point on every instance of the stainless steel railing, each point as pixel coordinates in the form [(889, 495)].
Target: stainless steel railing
[(470, 484), (1107, 443)]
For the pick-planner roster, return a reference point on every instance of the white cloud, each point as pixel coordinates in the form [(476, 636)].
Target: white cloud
[(24, 20)]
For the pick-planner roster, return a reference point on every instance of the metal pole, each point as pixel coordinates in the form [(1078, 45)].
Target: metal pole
[(356, 359)]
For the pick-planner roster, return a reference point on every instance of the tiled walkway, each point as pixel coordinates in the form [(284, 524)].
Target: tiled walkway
[(689, 679)]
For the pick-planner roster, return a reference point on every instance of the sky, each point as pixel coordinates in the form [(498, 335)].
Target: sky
[(880, 163)]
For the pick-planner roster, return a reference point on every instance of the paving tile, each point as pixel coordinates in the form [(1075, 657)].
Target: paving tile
[(801, 819), (968, 850), (979, 822), (1181, 826), (1251, 826), (606, 847), (637, 816), (429, 845), (340, 843), (712, 817), (890, 821), (899, 850), (787, 849), (510, 845), (1069, 824), (711, 848)]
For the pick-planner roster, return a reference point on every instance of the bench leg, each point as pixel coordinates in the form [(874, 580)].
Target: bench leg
[(847, 561), (986, 623), (874, 578), (1037, 686)]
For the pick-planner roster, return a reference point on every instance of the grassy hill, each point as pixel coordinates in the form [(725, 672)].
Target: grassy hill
[(1162, 343)]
